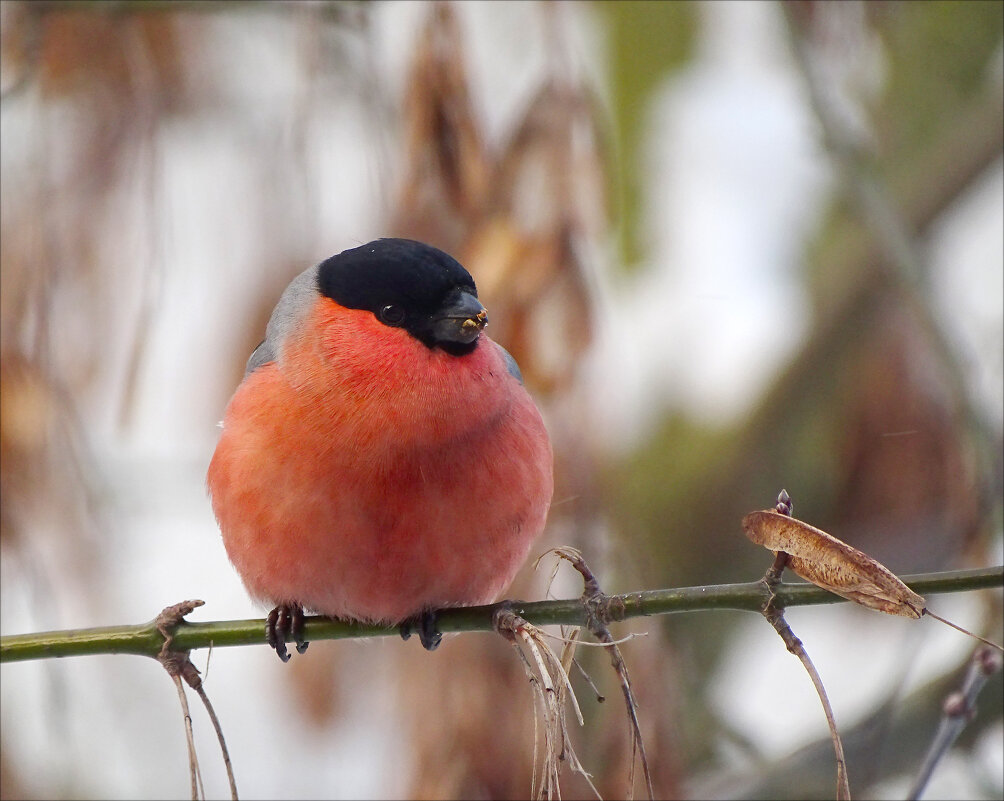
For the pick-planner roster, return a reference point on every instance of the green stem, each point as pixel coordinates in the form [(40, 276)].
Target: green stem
[(144, 639)]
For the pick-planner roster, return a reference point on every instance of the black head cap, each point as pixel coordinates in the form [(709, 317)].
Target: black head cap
[(405, 284)]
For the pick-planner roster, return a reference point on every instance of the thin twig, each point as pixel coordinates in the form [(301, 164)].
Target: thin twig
[(200, 689), (775, 617), (957, 627), (537, 695), (552, 694), (179, 666), (959, 708), (773, 612), (599, 606), (600, 698), (193, 759)]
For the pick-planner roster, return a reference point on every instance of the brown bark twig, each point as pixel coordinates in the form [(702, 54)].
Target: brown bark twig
[(179, 666), (599, 612), (773, 612)]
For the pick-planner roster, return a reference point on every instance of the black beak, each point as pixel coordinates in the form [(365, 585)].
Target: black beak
[(459, 320)]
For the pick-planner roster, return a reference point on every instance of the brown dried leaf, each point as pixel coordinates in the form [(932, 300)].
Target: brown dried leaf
[(552, 171), (833, 565), (536, 248), (447, 166)]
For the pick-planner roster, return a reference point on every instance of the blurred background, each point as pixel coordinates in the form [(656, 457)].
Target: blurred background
[(735, 247)]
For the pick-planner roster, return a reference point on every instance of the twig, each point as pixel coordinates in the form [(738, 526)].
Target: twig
[(599, 608), (957, 627), (773, 612), (145, 640), (219, 736), (179, 666), (600, 698), (193, 759), (535, 692), (775, 617), (958, 709), (551, 688)]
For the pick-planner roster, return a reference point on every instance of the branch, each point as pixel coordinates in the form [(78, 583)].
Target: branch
[(889, 740), (145, 639), (883, 213), (959, 708), (773, 612)]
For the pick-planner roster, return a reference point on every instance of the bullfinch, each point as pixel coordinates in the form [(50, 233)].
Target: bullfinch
[(381, 457)]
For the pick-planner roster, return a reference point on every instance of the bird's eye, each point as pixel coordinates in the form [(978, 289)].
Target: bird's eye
[(391, 314)]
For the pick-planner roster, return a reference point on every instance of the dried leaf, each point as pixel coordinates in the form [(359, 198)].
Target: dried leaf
[(447, 165), (536, 250), (833, 565)]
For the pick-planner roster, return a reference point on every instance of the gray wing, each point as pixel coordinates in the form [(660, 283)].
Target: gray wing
[(293, 306), (510, 364)]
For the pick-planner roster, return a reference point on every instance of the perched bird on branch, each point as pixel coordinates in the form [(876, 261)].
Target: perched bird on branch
[(381, 457)]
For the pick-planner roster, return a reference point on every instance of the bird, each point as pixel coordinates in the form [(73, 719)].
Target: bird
[(381, 457)]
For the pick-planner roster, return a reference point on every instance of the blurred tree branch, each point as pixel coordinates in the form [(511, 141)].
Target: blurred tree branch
[(146, 639), (854, 291), (921, 188), (897, 216), (890, 740), (958, 709)]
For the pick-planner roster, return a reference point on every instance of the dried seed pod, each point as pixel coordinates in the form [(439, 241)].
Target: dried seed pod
[(833, 565)]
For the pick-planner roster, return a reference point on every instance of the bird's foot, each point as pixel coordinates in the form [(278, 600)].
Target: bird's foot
[(425, 623), (285, 622)]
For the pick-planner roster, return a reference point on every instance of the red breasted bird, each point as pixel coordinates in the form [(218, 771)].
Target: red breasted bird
[(381, 457)]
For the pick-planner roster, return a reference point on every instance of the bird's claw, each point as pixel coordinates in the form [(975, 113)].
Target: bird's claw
[(425, 623), (285, 622)]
